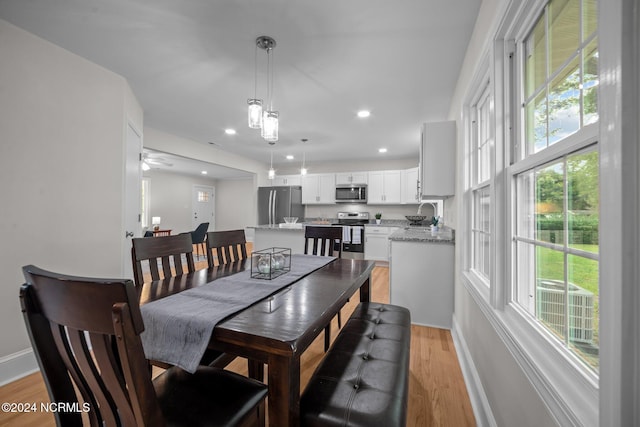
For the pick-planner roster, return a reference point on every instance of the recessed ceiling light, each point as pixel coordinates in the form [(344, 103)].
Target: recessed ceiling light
[(230, 131), (204, 172), (364, 113), (382, 150), (289, 157)]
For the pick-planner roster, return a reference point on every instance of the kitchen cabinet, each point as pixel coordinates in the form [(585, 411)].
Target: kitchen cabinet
[(376, 242), (410, 189), (351, 178), (437, 159), (384, 187), (421, 279), (285, 180), (318, 189)]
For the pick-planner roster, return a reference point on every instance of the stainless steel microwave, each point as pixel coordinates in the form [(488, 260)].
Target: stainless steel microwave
[(351, 193)]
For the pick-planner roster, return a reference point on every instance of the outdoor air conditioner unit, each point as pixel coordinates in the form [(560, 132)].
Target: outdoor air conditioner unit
[(550, 309)]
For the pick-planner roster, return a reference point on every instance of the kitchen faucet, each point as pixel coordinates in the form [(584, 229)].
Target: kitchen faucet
[(423, 203)]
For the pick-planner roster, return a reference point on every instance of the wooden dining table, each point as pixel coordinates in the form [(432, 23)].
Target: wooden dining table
[(277, 329)]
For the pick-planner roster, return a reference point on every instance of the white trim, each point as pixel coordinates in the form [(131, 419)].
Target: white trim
[(17, 365), (571, 395), (619, 32), (479, 402)]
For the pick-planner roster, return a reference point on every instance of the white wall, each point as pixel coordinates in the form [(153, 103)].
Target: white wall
[(235, 207), (62, 127), (170, 198), (351, 166)]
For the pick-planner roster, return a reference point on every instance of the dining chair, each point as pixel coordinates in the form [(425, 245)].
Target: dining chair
[(323, 241), (198, 236), (169, 256), (85, 334), (166, 256), (230, 245)]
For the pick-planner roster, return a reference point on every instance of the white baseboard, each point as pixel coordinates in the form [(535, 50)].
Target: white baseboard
[(479, 402), (17, 365)]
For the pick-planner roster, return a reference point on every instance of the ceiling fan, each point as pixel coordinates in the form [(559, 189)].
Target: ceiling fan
[(149, 160)]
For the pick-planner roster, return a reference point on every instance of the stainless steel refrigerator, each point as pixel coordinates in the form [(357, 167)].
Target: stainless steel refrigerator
[(274, 203)]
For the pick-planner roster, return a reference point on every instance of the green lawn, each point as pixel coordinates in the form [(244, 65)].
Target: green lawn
[(582, 271)]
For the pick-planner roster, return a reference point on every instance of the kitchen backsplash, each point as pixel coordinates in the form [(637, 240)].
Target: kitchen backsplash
[(388, 211)]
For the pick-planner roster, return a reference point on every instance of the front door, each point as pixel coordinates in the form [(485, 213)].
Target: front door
[(203, 203)]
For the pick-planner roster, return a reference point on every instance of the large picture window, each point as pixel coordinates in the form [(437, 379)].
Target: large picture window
[(556, 205)]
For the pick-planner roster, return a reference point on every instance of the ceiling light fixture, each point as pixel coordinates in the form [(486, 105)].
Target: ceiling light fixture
[(264, 117), (364, 113), (382, 150), (303, 169), (230, 131), (289, 157), (255, 104), (272, 172)]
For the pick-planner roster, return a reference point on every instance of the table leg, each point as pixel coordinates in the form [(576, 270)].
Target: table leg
[(256, 370), (284, 391), (365, 291)]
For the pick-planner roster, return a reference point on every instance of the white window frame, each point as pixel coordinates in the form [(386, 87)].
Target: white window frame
[(483, 97)]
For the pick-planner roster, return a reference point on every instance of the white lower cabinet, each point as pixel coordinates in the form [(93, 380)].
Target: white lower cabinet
[(376, 242), (421, 279)]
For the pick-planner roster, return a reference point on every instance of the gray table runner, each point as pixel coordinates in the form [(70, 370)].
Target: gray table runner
[(178, 327)]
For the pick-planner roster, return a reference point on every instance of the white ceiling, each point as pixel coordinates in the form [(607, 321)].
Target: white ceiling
[(191, 65)]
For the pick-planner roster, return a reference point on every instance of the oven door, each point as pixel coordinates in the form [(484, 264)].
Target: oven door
[(353, 248)]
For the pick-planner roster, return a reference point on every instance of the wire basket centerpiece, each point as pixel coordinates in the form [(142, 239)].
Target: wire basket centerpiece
[(270, 263)]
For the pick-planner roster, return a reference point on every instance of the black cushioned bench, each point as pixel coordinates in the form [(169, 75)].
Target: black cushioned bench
[(363, 380)]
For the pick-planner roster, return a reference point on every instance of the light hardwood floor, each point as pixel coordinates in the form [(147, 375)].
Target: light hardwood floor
[(437, 393)]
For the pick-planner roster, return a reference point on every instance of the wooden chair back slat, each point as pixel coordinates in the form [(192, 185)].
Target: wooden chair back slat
[(80, 345), (229, 246), (170, 252), (323, 240)]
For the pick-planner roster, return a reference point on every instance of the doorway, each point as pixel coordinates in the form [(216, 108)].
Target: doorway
[(132, 202), (203, 204)]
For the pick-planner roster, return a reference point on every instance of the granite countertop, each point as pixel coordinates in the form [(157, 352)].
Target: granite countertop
[(331, 221), (424, 234)]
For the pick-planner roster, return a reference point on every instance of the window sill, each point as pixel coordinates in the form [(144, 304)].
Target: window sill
[(568, 389)]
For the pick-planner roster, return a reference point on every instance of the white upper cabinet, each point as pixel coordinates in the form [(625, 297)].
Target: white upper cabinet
[(318, 189), (410, 190), (285, 180), (437, 159), (384, 187), (351, 178)]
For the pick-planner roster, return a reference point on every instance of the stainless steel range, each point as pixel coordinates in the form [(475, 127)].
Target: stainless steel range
[(352, 233)]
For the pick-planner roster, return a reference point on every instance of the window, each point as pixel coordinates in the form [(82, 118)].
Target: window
[(555, 177), (203, 196), (480, 174)]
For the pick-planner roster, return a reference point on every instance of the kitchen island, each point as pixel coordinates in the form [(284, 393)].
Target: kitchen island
[(268, 236), (421, 274)]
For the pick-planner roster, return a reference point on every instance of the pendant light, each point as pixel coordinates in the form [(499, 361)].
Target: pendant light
[(303, 169), (272, 172), (255, 104), (270, 117)]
